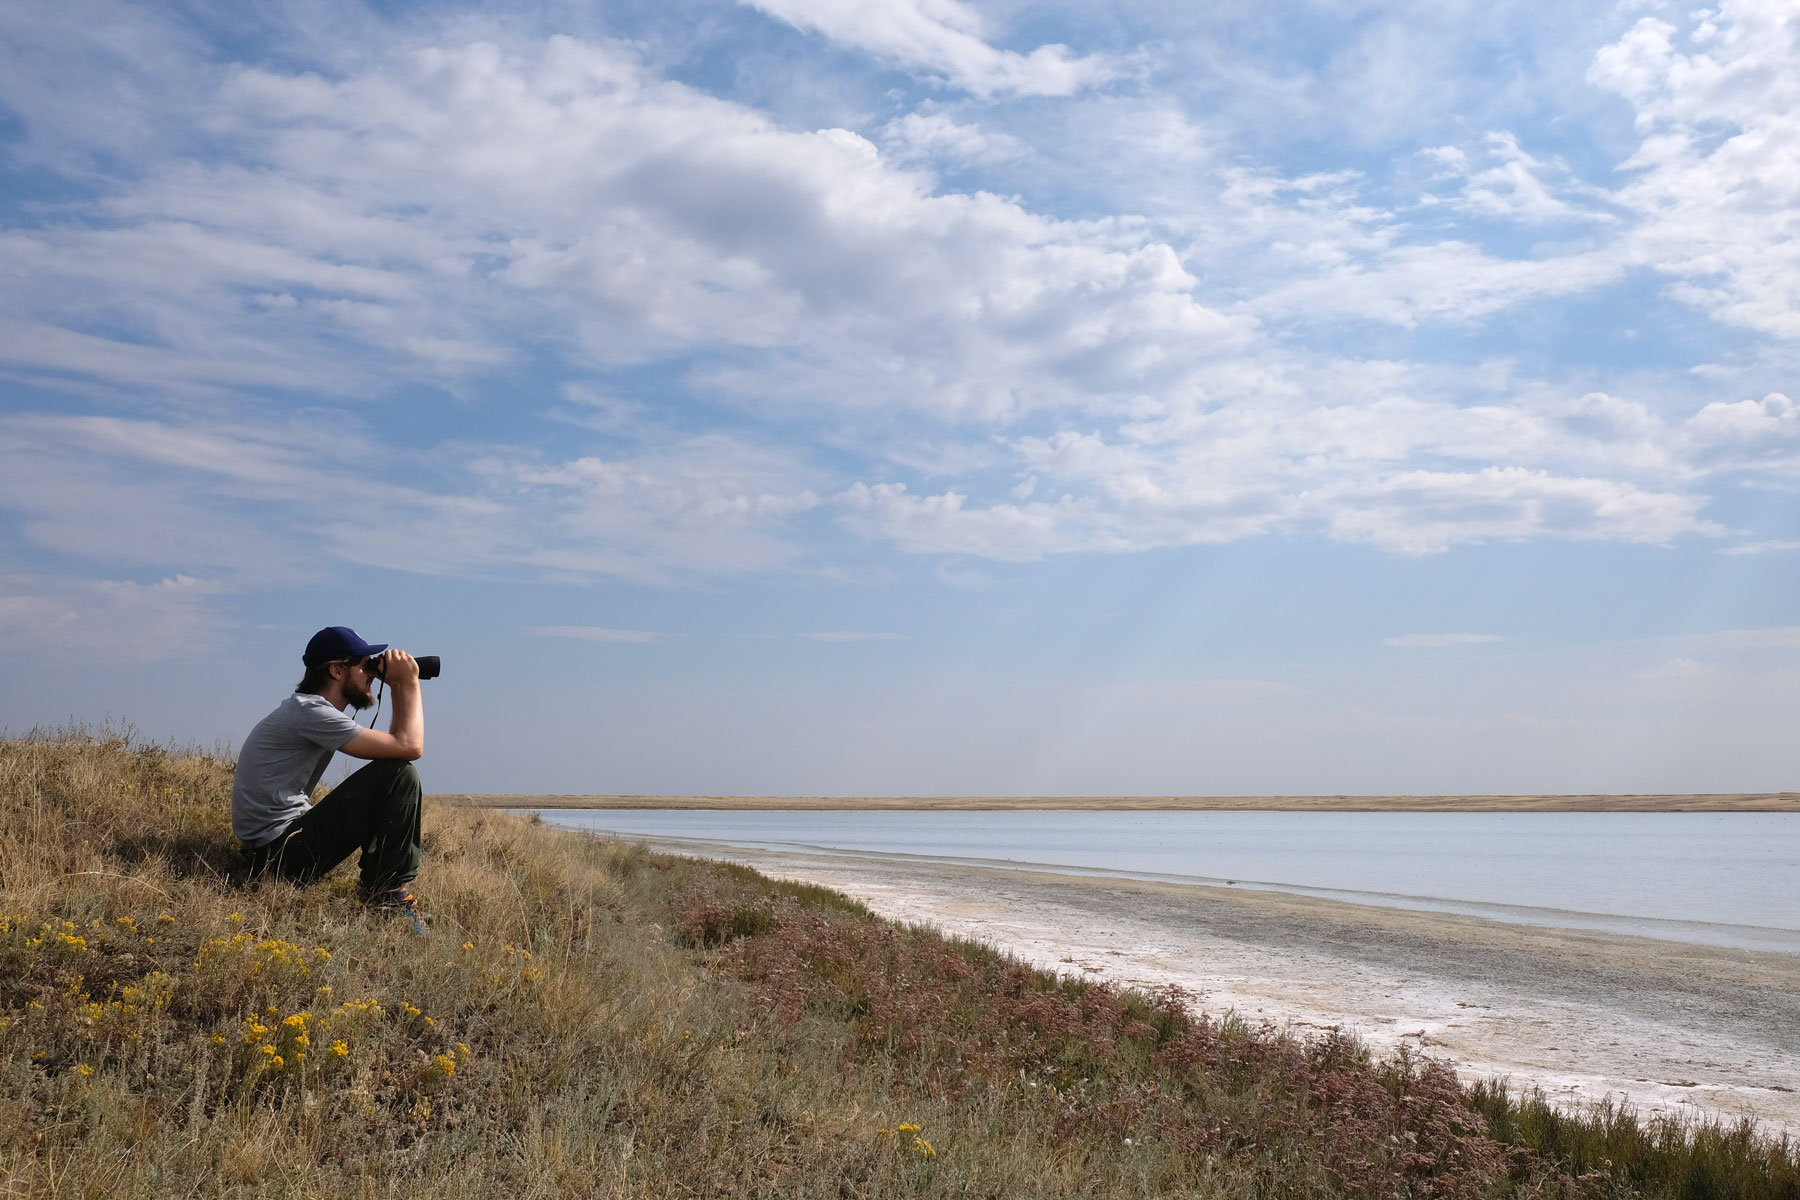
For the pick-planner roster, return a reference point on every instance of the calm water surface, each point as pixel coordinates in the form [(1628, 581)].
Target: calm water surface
[(1720, 878)]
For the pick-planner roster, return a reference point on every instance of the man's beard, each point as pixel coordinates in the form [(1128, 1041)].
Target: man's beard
[(358, 699)]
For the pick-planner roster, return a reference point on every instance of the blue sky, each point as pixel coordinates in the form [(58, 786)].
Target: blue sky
[(814, 396)]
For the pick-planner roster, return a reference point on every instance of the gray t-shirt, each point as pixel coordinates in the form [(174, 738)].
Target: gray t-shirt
[(281, 763)]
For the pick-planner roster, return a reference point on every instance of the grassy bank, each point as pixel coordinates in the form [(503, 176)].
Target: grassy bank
[(592, 1019)]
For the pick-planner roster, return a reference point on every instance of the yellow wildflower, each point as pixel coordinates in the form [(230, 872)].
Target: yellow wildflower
[(446, 1065), (83, 1069), (340, 1049)]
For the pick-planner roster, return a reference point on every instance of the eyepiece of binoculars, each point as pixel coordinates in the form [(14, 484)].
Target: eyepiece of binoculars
[(428, 666)]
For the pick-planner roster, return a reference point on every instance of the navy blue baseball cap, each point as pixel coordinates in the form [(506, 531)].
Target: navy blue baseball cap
[(335, 643)]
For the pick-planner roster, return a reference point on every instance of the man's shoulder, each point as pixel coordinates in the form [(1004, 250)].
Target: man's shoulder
[(291, 709), (303, 714)]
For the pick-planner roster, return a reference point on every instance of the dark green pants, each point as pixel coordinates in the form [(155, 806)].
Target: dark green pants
[(376, 811)]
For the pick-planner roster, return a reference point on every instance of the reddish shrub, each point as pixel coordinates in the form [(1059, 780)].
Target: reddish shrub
[(1102, 1062)]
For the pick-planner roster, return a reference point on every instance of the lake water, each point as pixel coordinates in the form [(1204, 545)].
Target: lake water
[(1730, 879)]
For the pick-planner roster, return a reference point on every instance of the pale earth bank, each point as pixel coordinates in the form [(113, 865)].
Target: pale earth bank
[(1666, 1026)]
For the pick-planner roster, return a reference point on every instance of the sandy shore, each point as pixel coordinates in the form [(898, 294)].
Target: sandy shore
[(1686, 802), (1666, 1026)]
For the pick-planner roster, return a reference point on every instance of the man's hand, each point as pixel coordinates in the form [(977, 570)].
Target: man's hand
[(398, 667), (405, 737)]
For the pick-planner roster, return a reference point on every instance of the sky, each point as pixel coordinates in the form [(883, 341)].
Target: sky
[(933, 396)]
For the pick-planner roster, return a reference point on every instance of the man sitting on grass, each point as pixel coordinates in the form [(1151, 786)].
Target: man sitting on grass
[(376, 810)]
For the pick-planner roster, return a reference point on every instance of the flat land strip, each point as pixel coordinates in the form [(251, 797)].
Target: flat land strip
[(1703, 802)]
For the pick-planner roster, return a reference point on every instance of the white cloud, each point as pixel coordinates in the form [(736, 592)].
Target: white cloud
[(98, 81), (426, 214), (1222, 691), (1706, 199), (1768, 547), (1445, 281), (599, 633), (1424, 512), (1675, 670), (1513, 185), (1776, 637), (268, 504), (1716, 179), (847, 636), (96, 620), (1010, 532), (1440, 641), (1405, 512), (422, 218), (254, 503), (944, 40), (934, 135), (1286, 463), (711, 503), (1746, 434)]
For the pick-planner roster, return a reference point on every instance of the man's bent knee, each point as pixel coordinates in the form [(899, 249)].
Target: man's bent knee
[(401, 779), (390, 771)]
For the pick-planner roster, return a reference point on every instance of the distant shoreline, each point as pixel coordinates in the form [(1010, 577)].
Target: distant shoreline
[(1763, 802)]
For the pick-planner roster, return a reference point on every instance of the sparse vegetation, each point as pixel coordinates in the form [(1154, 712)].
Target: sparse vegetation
[(592, 1019)]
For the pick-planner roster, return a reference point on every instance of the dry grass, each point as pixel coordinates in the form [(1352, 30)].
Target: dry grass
[(592, 1019)]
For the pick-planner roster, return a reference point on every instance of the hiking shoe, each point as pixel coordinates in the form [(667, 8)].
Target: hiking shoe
[(399, 900)]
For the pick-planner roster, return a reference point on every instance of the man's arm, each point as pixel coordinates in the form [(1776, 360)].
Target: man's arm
[(405, 737)]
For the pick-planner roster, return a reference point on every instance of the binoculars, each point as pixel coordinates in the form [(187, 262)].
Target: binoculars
[(428, 666)]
